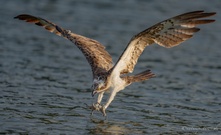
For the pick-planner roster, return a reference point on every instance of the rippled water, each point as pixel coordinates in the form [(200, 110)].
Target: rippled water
[(45, 80)]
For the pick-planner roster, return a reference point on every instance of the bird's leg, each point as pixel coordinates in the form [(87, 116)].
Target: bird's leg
[(97, 106), (99, 98), (112, 95)]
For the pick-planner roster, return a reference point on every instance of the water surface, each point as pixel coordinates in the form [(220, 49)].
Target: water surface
[(45, 80)]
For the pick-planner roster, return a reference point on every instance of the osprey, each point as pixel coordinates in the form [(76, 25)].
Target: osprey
[(114, 77)]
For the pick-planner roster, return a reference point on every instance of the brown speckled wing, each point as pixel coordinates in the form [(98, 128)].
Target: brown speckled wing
[(40, 22), (168, 33), (95, 53), (176, 30)]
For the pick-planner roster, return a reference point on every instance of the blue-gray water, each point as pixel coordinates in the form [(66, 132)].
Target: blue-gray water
[(45, 80)]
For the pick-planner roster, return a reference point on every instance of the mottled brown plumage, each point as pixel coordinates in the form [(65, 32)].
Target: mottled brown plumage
[(168, 33), (138, 77), (95, 53)]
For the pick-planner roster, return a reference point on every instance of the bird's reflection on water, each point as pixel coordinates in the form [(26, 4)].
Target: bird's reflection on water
[(111, 127)]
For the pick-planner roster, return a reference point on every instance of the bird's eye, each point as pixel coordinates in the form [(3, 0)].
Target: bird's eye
[(94, 86), (98, 78)]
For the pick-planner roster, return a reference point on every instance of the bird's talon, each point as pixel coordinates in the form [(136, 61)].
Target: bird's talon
[(98, 107), (103, 111)]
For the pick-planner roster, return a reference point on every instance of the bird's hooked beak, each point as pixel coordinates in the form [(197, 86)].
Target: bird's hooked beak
[(94, 89), (94, 92)]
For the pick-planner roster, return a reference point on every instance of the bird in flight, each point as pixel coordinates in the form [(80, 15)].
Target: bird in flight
[(115, 77)]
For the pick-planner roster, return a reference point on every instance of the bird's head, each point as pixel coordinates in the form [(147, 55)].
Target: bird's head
[(99, 85)]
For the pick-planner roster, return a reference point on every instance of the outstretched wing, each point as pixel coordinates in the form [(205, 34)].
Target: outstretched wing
[(95, 53), (168, 33)]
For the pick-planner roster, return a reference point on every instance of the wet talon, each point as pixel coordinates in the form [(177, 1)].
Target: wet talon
[(103, 111)]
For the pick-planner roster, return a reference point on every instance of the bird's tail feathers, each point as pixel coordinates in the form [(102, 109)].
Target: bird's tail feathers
[(145, 75)]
